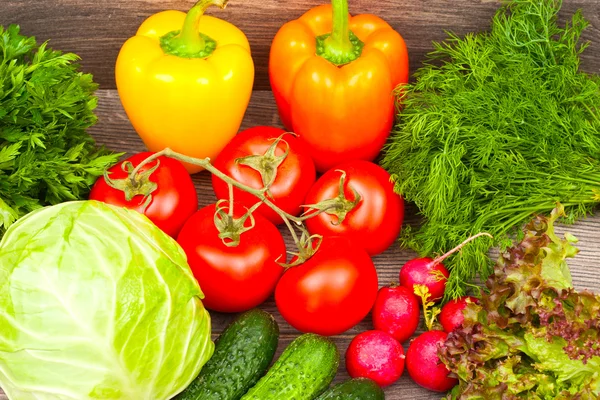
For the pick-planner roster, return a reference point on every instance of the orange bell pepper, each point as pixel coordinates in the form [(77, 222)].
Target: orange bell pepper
[(333, 77), (185, 81)]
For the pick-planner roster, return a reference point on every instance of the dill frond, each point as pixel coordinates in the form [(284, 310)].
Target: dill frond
[(497, 126)]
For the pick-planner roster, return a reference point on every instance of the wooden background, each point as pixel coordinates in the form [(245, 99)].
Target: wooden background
[(96, 29)]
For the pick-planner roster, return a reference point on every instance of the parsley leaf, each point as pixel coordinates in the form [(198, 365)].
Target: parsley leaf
[(46, 105)]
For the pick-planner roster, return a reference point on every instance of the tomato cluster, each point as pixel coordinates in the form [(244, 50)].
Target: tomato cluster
[(234, 247)]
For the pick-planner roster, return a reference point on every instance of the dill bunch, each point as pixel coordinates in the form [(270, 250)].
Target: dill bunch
[(497, 126), (46, 105)]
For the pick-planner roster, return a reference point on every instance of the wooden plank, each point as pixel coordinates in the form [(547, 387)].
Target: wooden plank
[(115, 131), (96, 29)]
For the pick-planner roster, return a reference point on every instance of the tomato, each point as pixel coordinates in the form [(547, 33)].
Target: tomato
[(233, 279), (375, 222), (331, 292), (173, 201), (295, 174)]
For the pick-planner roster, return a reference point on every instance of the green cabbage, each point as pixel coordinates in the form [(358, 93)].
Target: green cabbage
[(97, 303)]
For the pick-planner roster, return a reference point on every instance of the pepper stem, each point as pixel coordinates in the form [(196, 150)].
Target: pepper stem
[(341, 46), (189, 42), (339, 41)]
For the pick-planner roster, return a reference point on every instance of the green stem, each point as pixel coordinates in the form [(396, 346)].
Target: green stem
[(258, 193), (314, 214), (292, 231), (593, 114), (189, 35), (339, 41), (512, 216), (580, 180), (230, 186), (205, 163), (457, 248), (341, 46), (146, 161), (189, 42), (251, 209)]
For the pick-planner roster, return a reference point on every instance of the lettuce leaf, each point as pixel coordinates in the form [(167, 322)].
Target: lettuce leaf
[(532, 335)]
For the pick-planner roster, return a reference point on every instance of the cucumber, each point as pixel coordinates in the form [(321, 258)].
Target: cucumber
[(354, 389), (243, 353), (304, 370)]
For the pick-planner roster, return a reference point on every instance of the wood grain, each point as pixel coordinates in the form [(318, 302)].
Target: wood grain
[(95, 30), (115, 131)]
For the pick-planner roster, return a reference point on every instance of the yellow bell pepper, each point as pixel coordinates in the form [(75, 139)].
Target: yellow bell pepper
[(185, 81)]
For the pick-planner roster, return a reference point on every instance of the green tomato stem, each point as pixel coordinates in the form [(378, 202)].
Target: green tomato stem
[(292, 231), (230, 187), (338, 206), (206, 164), (292, 222)]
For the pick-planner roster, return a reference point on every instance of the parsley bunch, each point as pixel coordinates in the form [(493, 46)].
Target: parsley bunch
[(497, 126), (46, 105)]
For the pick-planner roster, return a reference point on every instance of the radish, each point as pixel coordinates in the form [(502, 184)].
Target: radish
[(423, 364), (430, 272), (375, 355), (425, 271), (396, 311), (451, 315), (422, 361)]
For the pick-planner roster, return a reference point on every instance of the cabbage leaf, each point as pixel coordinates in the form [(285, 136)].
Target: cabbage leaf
[(96, 302)]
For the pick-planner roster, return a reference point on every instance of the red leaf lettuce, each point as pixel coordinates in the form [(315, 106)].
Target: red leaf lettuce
[(532, 335)]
